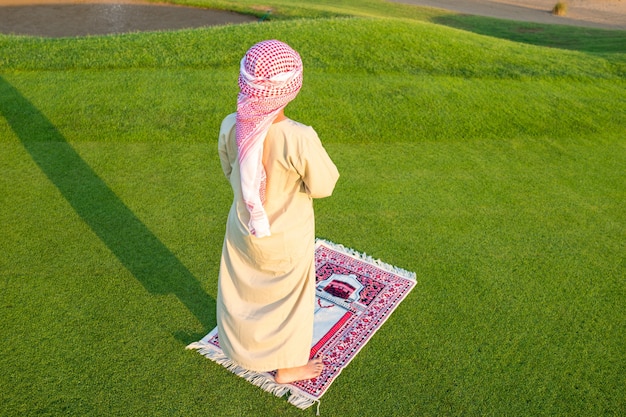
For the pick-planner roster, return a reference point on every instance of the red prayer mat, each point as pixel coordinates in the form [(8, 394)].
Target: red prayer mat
[(355, 295)]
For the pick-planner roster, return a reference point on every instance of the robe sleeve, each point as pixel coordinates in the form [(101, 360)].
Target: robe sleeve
[(226, 145), (317, 170)]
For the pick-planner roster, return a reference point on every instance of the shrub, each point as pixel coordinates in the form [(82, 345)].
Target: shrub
[(560, 8)]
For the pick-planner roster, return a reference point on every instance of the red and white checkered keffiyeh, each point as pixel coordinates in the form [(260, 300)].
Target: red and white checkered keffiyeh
[(270, 77)]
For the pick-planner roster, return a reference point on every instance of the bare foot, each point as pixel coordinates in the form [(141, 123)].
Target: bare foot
[(312, 369)]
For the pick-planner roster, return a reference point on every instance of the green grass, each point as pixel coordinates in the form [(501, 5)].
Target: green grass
[(493, 168), (555, 36)]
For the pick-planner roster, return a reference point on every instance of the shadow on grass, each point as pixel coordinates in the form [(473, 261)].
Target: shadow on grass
[(139, 250), (554, 36)]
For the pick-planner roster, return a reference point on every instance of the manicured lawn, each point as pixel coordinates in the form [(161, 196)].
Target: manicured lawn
[(491, 166)]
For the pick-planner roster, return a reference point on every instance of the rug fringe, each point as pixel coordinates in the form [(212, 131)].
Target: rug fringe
[(303, 402), (264, 381), (363, 256)]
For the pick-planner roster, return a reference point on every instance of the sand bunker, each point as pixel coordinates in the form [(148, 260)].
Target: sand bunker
[(50, 19)]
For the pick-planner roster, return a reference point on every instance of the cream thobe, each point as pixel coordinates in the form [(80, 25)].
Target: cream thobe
[(266, 288)]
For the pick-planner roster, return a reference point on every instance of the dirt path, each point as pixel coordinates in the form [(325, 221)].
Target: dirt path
[(57, 18), (604, 14)]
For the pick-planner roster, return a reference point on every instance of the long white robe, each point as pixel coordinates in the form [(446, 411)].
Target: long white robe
[(266, 289)]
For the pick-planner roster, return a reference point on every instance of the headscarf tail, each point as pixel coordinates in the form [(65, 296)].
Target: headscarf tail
[(270, 76)]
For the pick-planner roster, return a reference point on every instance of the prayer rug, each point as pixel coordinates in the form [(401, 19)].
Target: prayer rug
[(355, 295)]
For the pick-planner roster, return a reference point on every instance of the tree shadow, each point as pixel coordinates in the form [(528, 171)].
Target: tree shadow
[(137, 248), (574, 38)]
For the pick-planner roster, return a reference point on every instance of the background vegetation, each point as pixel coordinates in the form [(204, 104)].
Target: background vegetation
[(487, 157)]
